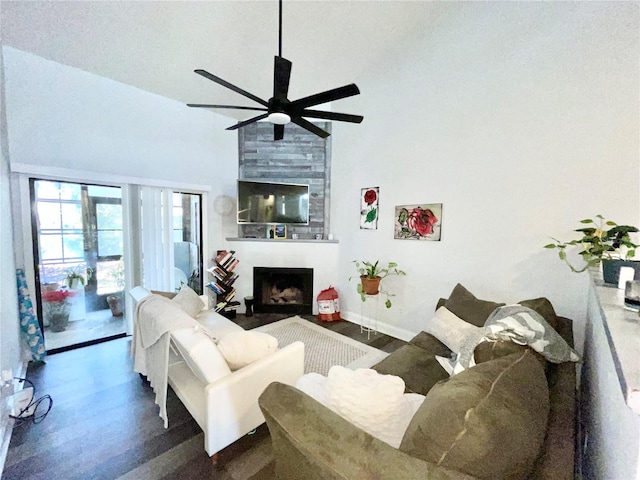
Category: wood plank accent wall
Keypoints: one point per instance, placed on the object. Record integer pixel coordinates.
(300, 157)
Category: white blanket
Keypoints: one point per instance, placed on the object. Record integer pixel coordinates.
(156, 316)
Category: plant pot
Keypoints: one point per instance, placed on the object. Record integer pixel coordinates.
(115, 304)
(370, 286)
(611, 269)
(58, 322)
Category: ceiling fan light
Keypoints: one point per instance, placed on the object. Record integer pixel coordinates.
(279, 118)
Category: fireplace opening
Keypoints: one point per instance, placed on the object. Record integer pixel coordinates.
(283, 290)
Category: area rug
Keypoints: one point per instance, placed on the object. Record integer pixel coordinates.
(323, 348)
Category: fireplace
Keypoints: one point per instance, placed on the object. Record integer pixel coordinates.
(283, 290)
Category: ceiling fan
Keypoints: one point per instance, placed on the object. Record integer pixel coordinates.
(279, 110)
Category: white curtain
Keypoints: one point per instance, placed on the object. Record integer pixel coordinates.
(156, 238)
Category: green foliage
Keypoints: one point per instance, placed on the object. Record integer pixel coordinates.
(373, 270)
(76, 273)
(598, 243)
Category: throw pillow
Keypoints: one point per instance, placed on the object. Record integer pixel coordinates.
(189, 301)
(492, 349)
(543, 307)
(465, 305)
(526, 327)
(243, 348)
(374, 402)
(488, 421)
(200, 353)
(450, 329)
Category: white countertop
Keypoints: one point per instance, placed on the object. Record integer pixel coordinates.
(622, 326)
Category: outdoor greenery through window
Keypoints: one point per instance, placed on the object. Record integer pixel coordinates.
(79, 227)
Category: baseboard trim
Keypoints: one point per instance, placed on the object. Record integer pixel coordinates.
(382, 327)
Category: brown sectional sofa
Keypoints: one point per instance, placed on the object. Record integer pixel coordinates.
(512, 416)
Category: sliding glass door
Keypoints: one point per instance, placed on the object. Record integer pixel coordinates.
(78, 251)
(79, 235)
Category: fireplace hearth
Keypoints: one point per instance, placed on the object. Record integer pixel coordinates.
(283, 290)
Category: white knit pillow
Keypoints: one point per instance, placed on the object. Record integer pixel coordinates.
(374, 402)
(243, 348)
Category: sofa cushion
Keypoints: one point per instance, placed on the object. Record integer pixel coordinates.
(200, 353)
(544, 308)
(189, 301)
(216, 324)
(465, 305)
(431, 344)
(488, 421)
(417, 367)
(243, 348)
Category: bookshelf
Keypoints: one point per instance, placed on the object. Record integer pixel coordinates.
(223, 278)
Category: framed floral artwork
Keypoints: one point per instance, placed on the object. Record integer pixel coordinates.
(369, 208)
(418, 222)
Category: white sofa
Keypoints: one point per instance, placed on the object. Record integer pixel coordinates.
(224, 403)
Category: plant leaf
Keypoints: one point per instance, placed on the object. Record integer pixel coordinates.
(550, 245)
(387, 303)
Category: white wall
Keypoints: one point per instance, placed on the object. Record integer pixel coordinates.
(522, 119)
(10, 347)
(64, 118)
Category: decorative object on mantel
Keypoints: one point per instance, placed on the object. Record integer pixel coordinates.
(279, 109)
(369, 208)
(418, 222)
(613, 247)
(370, 277)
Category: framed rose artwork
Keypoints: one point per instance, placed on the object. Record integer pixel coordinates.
(369, 208)
(418, 222)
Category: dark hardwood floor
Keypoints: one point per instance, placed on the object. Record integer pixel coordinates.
(104, 423)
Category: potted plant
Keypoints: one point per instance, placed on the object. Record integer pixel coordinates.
(56, 306)
(74, 276)
(371, 274)
(116, 300)
(612, 246)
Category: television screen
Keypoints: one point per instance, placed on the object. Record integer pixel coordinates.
(266, 202)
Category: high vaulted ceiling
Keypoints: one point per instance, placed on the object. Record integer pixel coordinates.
(156, 45)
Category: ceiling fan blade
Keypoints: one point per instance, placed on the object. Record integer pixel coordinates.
(224, 83)
(247, 122)
(278, 132)
(281, 76)
(328, 96)
(307, 125)
(340, 117)
(236, 107)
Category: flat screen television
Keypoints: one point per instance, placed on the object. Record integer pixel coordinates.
(268, 202)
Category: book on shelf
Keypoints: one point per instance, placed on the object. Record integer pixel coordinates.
(224, 256)
(216, 288)
(230, 295)
(229, 262)
(231, 306)
(233, 264)
(219, 306)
